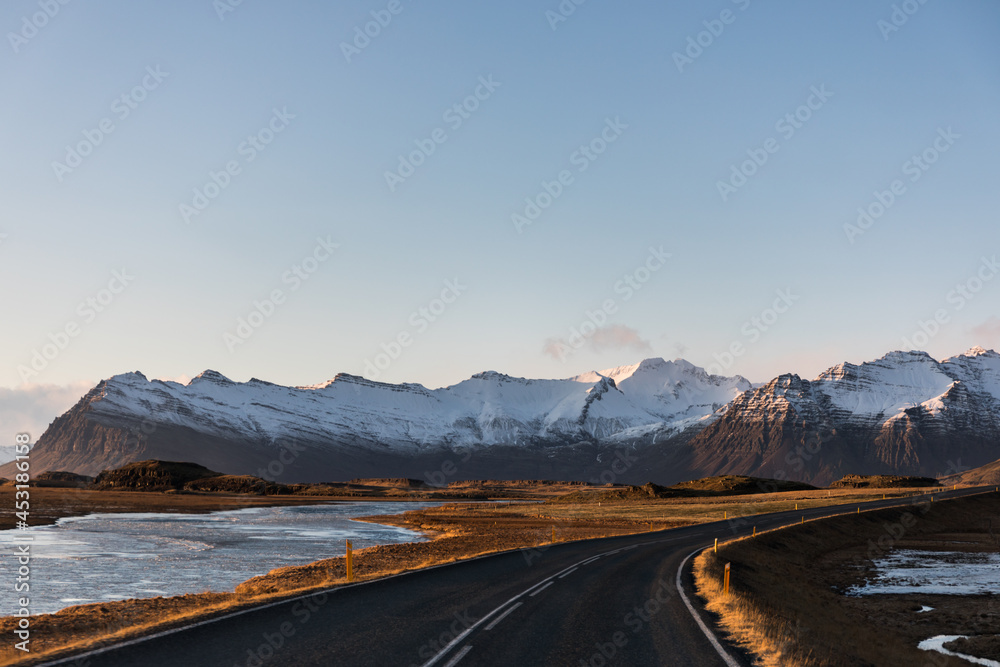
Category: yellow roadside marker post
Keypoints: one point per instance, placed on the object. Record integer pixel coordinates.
(350, 563)
(553, 534)
(755, 531)
(725, 581)
(717, 545)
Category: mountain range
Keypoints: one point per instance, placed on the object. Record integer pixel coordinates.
(664, 421)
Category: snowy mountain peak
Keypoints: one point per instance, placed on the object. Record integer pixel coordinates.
(651, 364)
(979, 352)
(784, 383)
(493, 375)
(907, 356)
(210, 376)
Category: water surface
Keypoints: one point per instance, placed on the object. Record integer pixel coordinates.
(103, 557)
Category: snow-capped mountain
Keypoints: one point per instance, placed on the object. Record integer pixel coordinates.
(656, 420)
(351, 426)
(904, 413)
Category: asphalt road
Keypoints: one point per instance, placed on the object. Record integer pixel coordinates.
(612, 601)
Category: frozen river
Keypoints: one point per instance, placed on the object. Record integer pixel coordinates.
(103, 557)
(910, 571)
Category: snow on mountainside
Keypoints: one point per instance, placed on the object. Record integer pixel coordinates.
(666, 421)
(487, 410)
(903, 413)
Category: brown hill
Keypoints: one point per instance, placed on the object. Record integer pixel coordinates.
(882, 482)
(153, 476)
(725, 485)
(987, 475)
(61, 478)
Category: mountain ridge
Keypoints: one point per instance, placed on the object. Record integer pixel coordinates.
(904, 413)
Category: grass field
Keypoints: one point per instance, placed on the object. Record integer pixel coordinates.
(787, 603)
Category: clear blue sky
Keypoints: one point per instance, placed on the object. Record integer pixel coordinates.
(887, 96)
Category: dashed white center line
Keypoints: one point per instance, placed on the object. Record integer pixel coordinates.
(590, 560)
(458, 656)
(569, 572)
(541, 589)
(502, 616)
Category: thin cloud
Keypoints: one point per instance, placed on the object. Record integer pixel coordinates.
(988, 333)
(31, 408)
(611, 337)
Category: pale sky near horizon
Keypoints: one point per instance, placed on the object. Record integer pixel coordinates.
(682, 189)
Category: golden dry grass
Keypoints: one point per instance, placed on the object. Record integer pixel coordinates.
(786, 604)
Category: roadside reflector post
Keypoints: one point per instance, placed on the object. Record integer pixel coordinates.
(350, 563)
(803, 520)
(725, 581)
(755, 531)
(717, 545)
(725, 515)
(553, 533)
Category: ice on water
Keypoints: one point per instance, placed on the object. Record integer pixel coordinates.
(934, 573)
(103, 557)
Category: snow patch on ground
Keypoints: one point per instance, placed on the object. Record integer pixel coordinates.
(937, 644)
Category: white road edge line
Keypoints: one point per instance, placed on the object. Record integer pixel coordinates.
(542, 588)
(461, 654)
(502, 616)
(729, 660)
